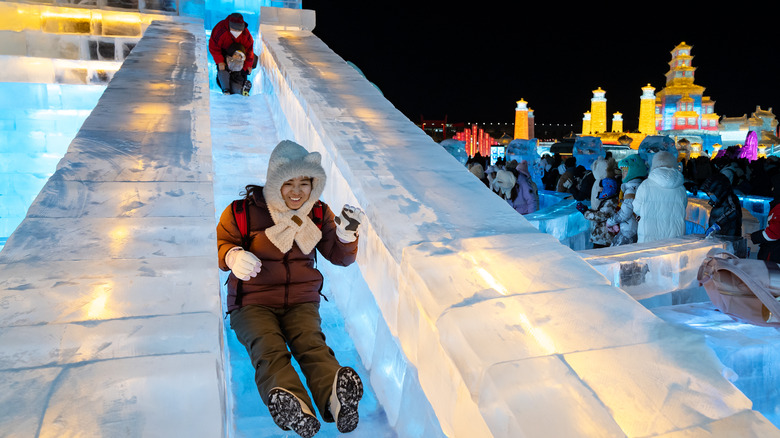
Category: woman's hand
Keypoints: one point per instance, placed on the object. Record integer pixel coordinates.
(348, 223)
(244, 264)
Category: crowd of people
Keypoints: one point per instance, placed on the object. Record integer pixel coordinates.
(511, 181)
(631, 201)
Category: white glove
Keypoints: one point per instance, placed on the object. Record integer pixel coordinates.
(244, 264)
(348, 222)
(567, 183)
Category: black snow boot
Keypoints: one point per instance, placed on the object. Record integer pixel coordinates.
(343, 404)
(289, 412)
(247, 86)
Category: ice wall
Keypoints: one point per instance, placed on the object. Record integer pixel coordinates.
(37, 123)
(509, 332)
(111, 321)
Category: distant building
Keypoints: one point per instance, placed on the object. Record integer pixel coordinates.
(647, 114)
(617, 122)
(521, 120)
(734, 130)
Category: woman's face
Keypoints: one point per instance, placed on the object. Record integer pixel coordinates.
(296, 191)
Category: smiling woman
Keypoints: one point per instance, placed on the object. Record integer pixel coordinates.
(274, 290)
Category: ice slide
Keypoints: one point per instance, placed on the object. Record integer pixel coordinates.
(111, 326)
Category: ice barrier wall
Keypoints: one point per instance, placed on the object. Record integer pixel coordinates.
(110, 323)
(508, 332)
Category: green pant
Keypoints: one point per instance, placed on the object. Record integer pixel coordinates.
(267, 332)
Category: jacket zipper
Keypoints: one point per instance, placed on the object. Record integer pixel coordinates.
(287, 283)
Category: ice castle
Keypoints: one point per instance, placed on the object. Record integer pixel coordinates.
(464, 322)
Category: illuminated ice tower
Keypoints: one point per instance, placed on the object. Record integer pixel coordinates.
(598, 111)
(617, 122)
(586, 123)
(521, 120)
(647, 114)
(681, 103)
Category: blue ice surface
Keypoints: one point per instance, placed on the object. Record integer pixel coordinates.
(37, 123)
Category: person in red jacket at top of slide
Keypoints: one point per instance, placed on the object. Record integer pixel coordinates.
(226, 33)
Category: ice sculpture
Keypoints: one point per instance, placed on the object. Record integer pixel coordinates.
(586, 149)
(750, 149)
(655, 143)
(456, 148)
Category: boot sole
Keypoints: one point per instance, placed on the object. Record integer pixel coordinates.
(287, 413)
(349, 391)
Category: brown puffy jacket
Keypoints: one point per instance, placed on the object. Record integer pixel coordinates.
(285, 278)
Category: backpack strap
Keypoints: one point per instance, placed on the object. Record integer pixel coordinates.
(317, 212)
(241, 215)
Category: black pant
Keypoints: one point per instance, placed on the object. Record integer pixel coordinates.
(233, 80)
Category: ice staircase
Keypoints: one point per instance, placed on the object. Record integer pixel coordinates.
(467, 325)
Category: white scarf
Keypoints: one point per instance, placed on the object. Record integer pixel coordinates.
(293, 226)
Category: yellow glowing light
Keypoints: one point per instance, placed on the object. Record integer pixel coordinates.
(96, 309)
(538, 334)
(153, 108)
(118, 239)
(73, 14)
(490, 280)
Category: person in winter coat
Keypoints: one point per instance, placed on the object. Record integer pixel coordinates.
(601, 168)
(634, 172)
(507, 187)
(584, 178)
(661, 200)
(525, 195)
(224, 34)
(274, 290)
(605, 208)
(567, 180)
(477, 170)
(234, 76)
(768, 239)
(726, 212)
(551, 174)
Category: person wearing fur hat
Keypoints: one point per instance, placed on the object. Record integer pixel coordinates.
(225, 33)
(600, 234)
(634, 172)
(661, 200)
(274, 290)
(504, 183)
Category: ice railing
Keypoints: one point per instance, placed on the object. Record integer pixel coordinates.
(508, 332)
(110, 321)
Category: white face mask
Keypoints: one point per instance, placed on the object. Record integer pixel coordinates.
(235, 33)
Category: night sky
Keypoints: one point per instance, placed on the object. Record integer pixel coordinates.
(433, 59)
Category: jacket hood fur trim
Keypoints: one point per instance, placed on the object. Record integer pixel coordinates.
(289, 160)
